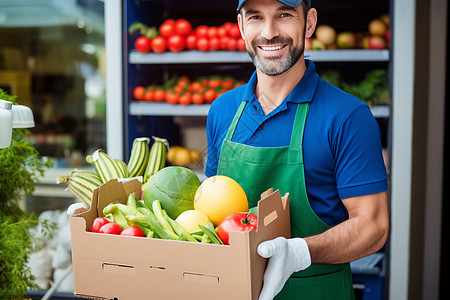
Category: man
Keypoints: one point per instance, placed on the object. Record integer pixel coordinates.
(290, 130)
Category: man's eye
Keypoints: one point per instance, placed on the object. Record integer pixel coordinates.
(284, 15)
(254, 18)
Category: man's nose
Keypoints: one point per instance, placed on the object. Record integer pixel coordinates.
(270, 30)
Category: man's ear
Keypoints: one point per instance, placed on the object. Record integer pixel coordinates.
(311, 22)
(239, 20)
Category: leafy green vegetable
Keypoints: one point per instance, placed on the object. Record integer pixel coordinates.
(374, 89)
(20, 167)
(16, 241)
(143, 29)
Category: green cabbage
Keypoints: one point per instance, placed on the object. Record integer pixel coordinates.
(174, 187)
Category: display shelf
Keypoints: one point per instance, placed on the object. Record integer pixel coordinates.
(190, 57)
(137, 108)
(381, 111)
(165, 109)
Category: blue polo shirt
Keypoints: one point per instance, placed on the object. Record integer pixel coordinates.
(341, 143)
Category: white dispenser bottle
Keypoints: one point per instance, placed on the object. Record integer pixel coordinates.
(5, 123)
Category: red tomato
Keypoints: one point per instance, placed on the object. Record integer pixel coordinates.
(236, 222)
(212, 32)
(198, 98)
(179, 88)
(241, 44)
(234, 31)
(202, 31)
(133, 231)
(228, 83)
(210, 95)
(167, 28)
(98, 223)
(214, 82)
(227, 27)
(143, 44)
(110, 228)
(176, 43)
(138, 93)
(159, 95)
(224, 42)
(186, 99)
(159, 44)
(191, 41)
(214, 44)
(203, 44)
(172, 97)
(222, 31)
(195, 86)
(183, 27)
(232, 44)
(149, 94)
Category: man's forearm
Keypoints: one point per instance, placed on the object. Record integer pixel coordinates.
(364, 233)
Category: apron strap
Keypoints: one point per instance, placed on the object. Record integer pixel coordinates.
(236, 118)
(299, 124)
(295, 149)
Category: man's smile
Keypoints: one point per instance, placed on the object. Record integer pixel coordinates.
(272, 48)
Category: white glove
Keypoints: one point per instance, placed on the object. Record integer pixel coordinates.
(73, 207)
(286, 256)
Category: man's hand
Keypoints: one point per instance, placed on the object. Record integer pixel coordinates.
(286, 256)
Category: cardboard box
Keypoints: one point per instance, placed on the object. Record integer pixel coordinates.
(118, 267)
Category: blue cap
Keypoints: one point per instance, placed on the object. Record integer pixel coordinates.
(292, 3)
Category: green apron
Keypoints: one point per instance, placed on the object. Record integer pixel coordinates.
(257, 169)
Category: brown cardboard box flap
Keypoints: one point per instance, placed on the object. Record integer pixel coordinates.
(110, 266)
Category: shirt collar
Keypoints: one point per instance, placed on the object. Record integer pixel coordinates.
(303, 92)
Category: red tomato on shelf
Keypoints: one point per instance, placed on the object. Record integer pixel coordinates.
(203, 44)
(176, 43)
(210, 95)
(234, 31)
(159, 44)
(236, 222)
(185, 99)
(198, 98)
(227, 27)
(149, 94)
(222, 31)
(138, 93)
(167, 28)
(172, 97)
(214, 44)
(191, 41)
(224, 42)
(232, 44)
(143, 44)
(159, 95)
(241, 44)
(212, 32)
(202, 31)
(183, 27)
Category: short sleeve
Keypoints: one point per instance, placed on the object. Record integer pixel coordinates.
(213, 152)
(360, 168)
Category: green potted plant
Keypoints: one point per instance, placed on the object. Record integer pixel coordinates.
(20, 167)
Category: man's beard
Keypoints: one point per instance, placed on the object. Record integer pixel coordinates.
(278, 65)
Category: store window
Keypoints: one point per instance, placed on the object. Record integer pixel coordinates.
(52, 56)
